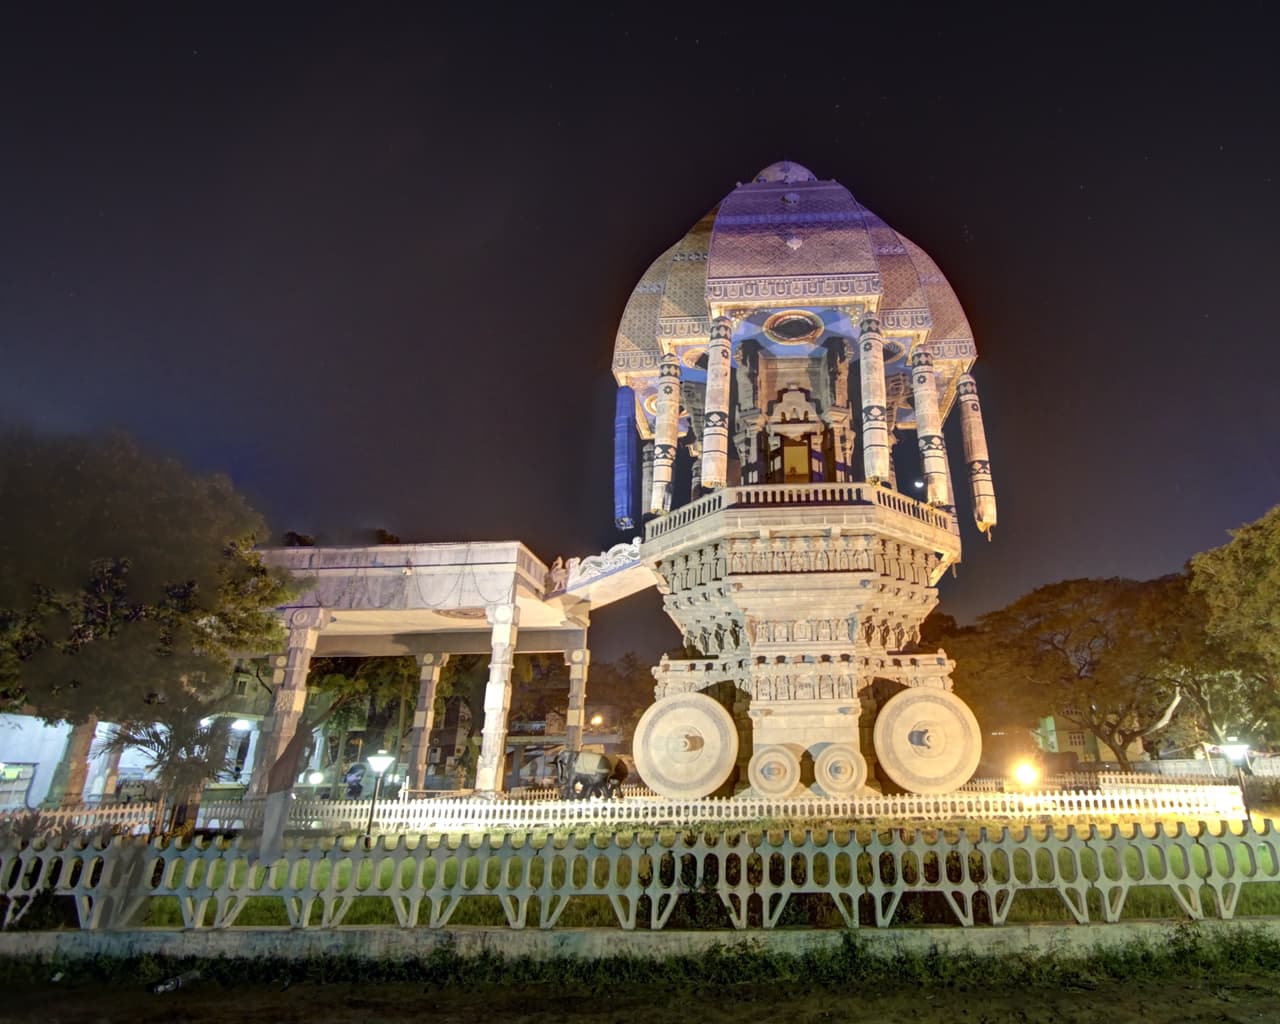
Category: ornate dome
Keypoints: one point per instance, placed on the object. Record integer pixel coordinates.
(787, 240)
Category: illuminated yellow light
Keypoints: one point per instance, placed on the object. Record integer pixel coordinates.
(1026, 773)
(597, 719)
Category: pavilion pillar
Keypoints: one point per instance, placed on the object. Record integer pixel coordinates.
(289, 697)
(505, 621)
(429, 669)
(715, 431)
(665, 432)
(975, 455)
(72, 773)
(578, 661)
(111, 775)
(875, 426)
(933, 448)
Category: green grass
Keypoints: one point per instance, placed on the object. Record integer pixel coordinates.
(1187, 952)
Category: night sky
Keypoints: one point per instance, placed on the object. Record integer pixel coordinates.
(371, 264)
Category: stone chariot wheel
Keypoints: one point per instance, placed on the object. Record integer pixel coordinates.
(774, 771)
(685, 746)
(840, 770)
(927, 740)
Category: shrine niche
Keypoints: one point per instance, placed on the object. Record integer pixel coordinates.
(771, 366)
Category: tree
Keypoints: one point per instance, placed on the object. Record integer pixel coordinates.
(1086, 651)
(1240, 585)
(184, 750)
(1228, 696)
(126, 582)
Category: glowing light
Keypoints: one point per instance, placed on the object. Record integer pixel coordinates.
(241, 725)
(380, 761)
(597, 719)
(1026, 774)
(315, 778)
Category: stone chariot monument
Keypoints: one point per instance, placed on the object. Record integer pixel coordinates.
(768, 364)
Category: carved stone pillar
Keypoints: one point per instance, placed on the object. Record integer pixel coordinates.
(578, 660)
(290, 696)
(505, 621)
(429, 668)
(819, 471)
(665, 432)
(875, 427)
(646, 477)
(715, 436)
(975, 454)
(933, 449)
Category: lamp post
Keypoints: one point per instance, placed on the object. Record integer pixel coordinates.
(379, 762)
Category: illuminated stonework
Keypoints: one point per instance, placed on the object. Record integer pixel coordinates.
(785, 342)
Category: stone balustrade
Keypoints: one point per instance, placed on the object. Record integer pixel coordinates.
(785, 495)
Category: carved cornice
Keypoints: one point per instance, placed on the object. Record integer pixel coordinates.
(792, 289)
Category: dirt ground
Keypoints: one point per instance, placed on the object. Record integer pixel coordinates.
(1183, 1001)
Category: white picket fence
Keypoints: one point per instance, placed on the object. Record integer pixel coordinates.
(1187, 803)
(129, 819)
(641, 877)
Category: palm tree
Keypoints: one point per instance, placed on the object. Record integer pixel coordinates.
(184, 750)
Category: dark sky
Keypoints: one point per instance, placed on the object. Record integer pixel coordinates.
(371, 263)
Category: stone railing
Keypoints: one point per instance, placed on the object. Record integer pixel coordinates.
(775, 495)
(640, 877)
(1209, 803)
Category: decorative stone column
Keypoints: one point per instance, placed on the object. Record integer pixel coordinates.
(715, 434)
(578, 660)
(646, 477)
(505, 620)
(429, 668)
(933, 449)
(819, 471)
(665, 432)
(875, 426)
(975, 454)
(696, 489)
(290, 695)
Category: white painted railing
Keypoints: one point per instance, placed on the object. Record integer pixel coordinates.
(131, 819)
(1209, 803)
(641, 876)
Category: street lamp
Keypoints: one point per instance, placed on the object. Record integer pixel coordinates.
(379, 762)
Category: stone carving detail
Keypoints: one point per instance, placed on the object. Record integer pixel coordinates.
(567, 575)
(792, 289)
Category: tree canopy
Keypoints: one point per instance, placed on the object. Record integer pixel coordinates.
(125, 580)
(1087, 651)
(1240, 585)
